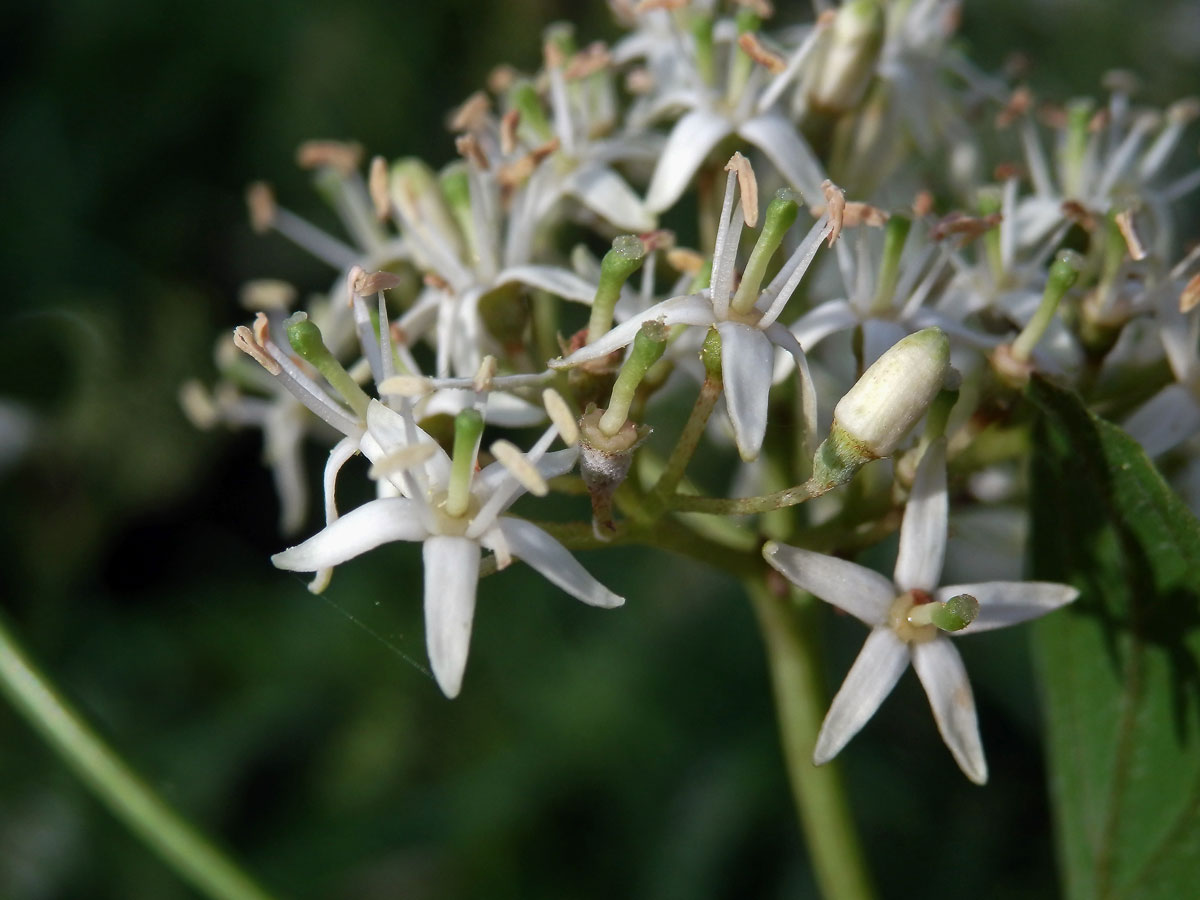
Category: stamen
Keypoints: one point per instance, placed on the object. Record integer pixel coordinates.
(922, 204)
(1125, 223)
(681, 259)
(1190, 296)
(483, 377)
(365, 283)
(243, 339)
(406, 386)
(562, 417)
(754, 48)
(266, 293)
(468, 148)
(471, 116)
(761, 8)
(198, 405)
(520, 468)
(747, 187)
(260, 201)
(379, 186)
(401, 460)
(262, 329)
(587, 62)
(501, 78)
(499, 546)
(835, 204)
(342, 156)
(969, 228)
(783, 285)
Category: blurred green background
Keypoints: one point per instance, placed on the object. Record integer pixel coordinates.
(592, 754)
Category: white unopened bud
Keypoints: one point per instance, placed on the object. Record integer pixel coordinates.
(841, 78)
(891, 397)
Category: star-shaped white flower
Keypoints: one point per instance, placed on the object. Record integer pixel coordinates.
(748, 338)
(452, 544)
(894, 641)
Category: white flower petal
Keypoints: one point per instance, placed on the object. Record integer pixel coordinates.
(552, 279)
(944, 678)
(1003, 603)
(690, 309)
(550, 465)
(781, 143)
(879, 335)
(365, 528)
(747, 359)
(451, 580)
(880, 663)
(817, 324)
(555, 563)
(1166, 420)
(923, 531)
(781, 337)
(389, 431)
(690, 141)
(609, 196)
(852, 588)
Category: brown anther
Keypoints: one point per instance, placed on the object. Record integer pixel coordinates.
(639, 81)
(681, 259)
(646, 6)
(659, 239)
(517, 172)
(835, 207)
(266, 293)
(761, 8)
(951, 19)
(1190, 297)
(1052, 115)
(922, 204)
(378, 186)
(468, 148)
(1128, 229)
(508, 131)
(471, 116)
(587, 62)
(541, 151)
(243, 339)
(858, 213)
(753, 48)
(920, 597)
(969, 228)
(262, 328)
(501, 78)
(434, 280)
(366, 283)
(1183, 111)
(1079, 214)
(747, 187)
(343, 156)
(1005, 171)
(399, 335)
(1017, 106)
(826, 18)
(1099, 120)
(260, 201)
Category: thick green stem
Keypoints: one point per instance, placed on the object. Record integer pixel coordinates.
(178, 843)
(745, 506)
(818, 791)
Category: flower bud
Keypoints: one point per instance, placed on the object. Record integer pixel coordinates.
(848, 65)
(894, 392)
(883, 406)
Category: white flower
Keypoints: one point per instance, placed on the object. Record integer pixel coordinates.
(748, 338)
(894, 641)
(452, 544)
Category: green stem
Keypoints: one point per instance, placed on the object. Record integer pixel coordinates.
(819, 793)
(689, 439)
(745, 506)
(130, 799)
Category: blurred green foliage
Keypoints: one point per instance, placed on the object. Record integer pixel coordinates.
(592, 754)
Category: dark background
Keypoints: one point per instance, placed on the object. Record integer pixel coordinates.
(592, 753)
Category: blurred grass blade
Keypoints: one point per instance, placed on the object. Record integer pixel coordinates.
(179, 844)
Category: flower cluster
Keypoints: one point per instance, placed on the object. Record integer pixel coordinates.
(929, 278)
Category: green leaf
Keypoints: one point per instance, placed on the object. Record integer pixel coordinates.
(1119, 667)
